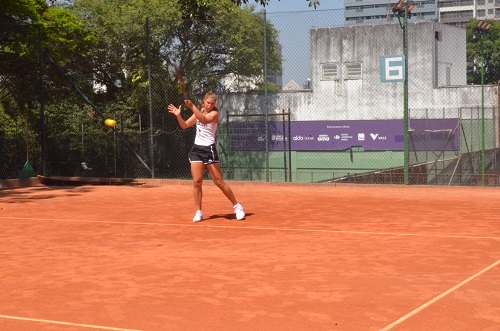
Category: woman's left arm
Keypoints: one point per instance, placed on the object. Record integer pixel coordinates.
(213, 116)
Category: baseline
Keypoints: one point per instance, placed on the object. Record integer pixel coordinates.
(261, 228)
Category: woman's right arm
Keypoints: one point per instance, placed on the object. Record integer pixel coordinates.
(184, 124)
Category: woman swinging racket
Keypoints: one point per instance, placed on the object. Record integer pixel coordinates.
(204, 153)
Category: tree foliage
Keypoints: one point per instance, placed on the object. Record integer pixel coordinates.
(101, 49)
(25, 29)
(485, 44)
(18, 65)
(203, 41)
(212, 47)
(104, 41)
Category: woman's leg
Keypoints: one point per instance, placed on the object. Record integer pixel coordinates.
(216, 174)
(197, 171)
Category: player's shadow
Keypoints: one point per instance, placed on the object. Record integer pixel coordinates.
(226, 216)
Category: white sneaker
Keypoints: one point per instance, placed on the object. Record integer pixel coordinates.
(238, 210)
(198, 217)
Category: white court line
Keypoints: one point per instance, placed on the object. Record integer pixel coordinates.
(64, 323)
(260, 228)
(439, 297)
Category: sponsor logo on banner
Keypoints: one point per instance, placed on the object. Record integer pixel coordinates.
(278, 137)
(337, 126)
(345, 137)
(372, 135)
(376, 136)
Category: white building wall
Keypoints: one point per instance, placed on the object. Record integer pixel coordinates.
(451, 53)
(368, 97)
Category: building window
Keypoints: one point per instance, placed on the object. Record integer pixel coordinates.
(457, 14)
(456, 3)
(481, 13)
(353, 70)
(330, 71)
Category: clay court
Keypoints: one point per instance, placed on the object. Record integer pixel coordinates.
(307, 257)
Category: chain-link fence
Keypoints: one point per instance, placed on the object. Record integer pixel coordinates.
(387, 103)
(348, 121)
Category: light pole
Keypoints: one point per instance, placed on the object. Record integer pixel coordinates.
(403, 10)
(482, 28)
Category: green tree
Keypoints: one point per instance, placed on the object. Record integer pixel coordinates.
(18, 50)
(207, 43)
(487, 44)
(103, 43)
(25, 29)
(119, 60)
(203, 40)
(30, 30)
(211, 47)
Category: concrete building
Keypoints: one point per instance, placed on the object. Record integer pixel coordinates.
(459, 12)
(380, 12)
(345, 65)
(346, 84)
(453, 12)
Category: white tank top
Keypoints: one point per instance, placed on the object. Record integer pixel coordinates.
(205, 133)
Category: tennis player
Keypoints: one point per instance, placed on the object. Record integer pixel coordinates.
(204, 153)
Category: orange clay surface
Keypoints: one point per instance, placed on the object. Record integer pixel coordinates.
(307, 257)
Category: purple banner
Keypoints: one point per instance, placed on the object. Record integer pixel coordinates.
(371, 135)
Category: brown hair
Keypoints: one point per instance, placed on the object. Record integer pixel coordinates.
(211, 95)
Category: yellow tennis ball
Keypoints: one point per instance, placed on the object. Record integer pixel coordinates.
(110, 122)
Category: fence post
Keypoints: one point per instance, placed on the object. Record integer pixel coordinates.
(266, 96)
(42, 107)
(151, 142)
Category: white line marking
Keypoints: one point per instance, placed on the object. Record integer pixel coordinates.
(439, 297)
(260, 228)
(356, 232)
(64, 323)
(390, 326)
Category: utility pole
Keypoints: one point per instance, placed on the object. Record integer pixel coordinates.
(482, 28)
(403, 10)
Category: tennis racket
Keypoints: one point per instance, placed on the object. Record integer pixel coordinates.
(178, 73)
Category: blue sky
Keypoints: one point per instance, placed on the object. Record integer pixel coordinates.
(300, 5)
(294, 19)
